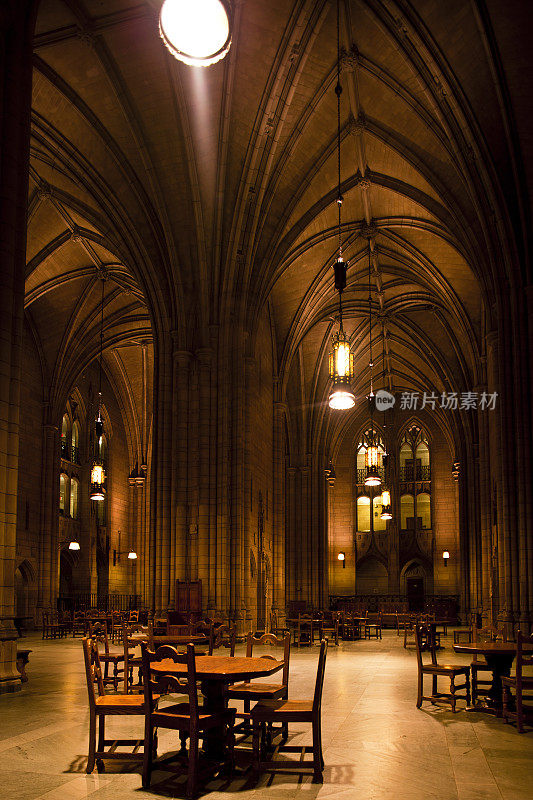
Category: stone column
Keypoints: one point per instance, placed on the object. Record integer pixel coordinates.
(17, 21)
(204, 485)
(179, 495)
(278, 566)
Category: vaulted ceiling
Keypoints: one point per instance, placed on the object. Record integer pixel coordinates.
(195, 190)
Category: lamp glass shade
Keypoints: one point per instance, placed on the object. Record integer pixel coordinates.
(132, 555)
(97, 475)
(196, 33)
(74, 546)
(385, 497)
(342, 399)
(372, 456)
(445, 555)
(373, 478)
(341, 556)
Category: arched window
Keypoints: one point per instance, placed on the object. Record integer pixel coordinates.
(423, 509)
(415, 477)
(65, 430)
(363, 513)
(63, 493)
(407, 511)
(75, 455)
(74, 490)
(379, 524)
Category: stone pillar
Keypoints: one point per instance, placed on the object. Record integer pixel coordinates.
(17, 20)
(180, 468)
(204, 485)
(278, 566)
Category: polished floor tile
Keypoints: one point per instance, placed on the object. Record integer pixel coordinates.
(377, 744)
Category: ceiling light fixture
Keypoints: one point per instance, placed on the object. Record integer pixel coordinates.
(197, 32)
(373, 477)
(97, 491)
(341, 360)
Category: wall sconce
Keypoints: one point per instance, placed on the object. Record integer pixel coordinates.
(132, 555)
(342, 557)
(445, 557)
(72, 544)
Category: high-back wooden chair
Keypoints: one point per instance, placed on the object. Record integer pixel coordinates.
(303, 632)
(252, 691)
(98, 633)
(329, 628)
(269, 712)
(101, 706)
(187, 718)
(131, 660)
(480, 686)
(373, 625)
(522, 685)
(425, 643)
(275, 625)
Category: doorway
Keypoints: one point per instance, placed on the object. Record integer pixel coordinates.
(415, 594)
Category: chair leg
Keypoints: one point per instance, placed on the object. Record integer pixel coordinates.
(149, 737)
(505, 700)
(468, 694)
(193, 765)
(92, 743)
(420, 689)
(452, 692)
(434, 685)
(519, 712)
(101, 742)
(317, 750)
(256, 745)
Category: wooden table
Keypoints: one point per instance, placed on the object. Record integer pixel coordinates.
(499, 657)
(215, 673)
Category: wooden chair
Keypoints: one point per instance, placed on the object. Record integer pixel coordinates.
(303, 632)
(268, 712)
(329, 629)
(480, 687)
(251, 692)
(131, 661)
(222, 636)
(523, 686)
(102, 706)
(275, 626)
(187, 718)
(79, 624)
(98, 633)
(425, 642)
(373, 626)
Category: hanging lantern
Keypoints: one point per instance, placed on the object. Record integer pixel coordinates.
(373, 478)
(132, 555)
(97, 482)
(341, 371)
(385, 505)
(197, 33)
(74, 545)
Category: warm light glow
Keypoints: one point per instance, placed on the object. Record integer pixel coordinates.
(372, 478)
(196, 32)
(342, 359)
(372, 456)
(385, 497)
(341, 556)
(97, 475)
(445, 555)
(74, 546)
(97, 494)
(132, 555)
(342, 399)
(385, 505)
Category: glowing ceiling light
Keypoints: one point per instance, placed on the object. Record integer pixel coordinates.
(197, 32)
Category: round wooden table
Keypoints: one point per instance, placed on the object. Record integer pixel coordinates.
(215, 673)
(173, 640)
(499, 657)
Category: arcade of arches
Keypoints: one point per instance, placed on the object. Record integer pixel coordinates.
(196, 209)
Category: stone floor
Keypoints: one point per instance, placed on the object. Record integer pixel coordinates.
(377, 744)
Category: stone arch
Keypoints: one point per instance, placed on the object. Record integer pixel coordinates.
(372, 575)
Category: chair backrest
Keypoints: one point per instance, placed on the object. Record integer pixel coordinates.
(523, 658)
(269, 639)
(222, 635)
(161, 683)
(133, 616)
(425, 643)
(93, 670)
(98, 633)
(319, 684)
